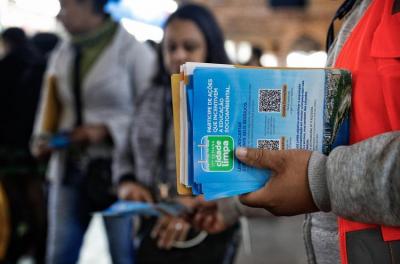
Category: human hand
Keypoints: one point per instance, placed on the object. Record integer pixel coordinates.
(207, 217)
(41, 149)
(133, 191)
(168, 230)
(92, 134)
(287, 192)
(189, 202)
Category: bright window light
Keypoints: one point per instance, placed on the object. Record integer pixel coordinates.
(150, 11)
(303, 59)
(243, 51)
(32, 16)
(40, 7)
(230, 48)
(151, 8)
(143, 31)
(269, 60)
(142, 18)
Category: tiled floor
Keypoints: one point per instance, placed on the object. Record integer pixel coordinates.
(273, 240)
(95, 248)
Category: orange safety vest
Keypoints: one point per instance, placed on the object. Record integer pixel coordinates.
(372, 54)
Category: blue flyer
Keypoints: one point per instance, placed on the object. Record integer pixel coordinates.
(269, 108)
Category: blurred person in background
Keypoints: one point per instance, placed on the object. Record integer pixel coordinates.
(255, 58)
(191, 34)
(352, 196)
(21, 73)
(92, 80)
(45, 43)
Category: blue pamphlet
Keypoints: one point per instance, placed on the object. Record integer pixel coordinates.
(122, 208)
(60, 140)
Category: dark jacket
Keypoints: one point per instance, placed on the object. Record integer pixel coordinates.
(21, 73)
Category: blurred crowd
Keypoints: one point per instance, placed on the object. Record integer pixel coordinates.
(84, 106)
(22, 65)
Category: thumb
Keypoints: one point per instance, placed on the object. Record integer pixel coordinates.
(260, 158)
(146, 197)
(253, 199)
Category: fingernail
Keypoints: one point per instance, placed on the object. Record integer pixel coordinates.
(241, 152)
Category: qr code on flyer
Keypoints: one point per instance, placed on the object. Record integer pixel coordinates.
(270, 144)
(269, 100)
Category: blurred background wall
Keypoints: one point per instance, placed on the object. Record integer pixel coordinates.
(277, 27)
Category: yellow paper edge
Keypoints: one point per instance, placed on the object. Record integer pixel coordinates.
(4, 223)
(175, 78)
(52, 107)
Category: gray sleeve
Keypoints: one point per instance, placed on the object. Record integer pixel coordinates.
(360, 182)
(146, 135)
(232, 209)
(123, 160)
(141, 65)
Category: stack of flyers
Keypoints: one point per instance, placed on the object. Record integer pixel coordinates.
(218, 108)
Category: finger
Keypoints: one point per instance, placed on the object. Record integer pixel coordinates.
(200, 198)
(79, 136)
(260, 158)
(124, 192)
(97, 133)
(219, 224)
(185, 230)
(123, 195)
(169, 235)
(159, 226)
(146, 196)
(255, 199)
(188, 202)
(198, 220)
(135, 195)
(206, 210)
(207, 206)
(195, 219)
(42, 151)
(209, 222)
(139, 195)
